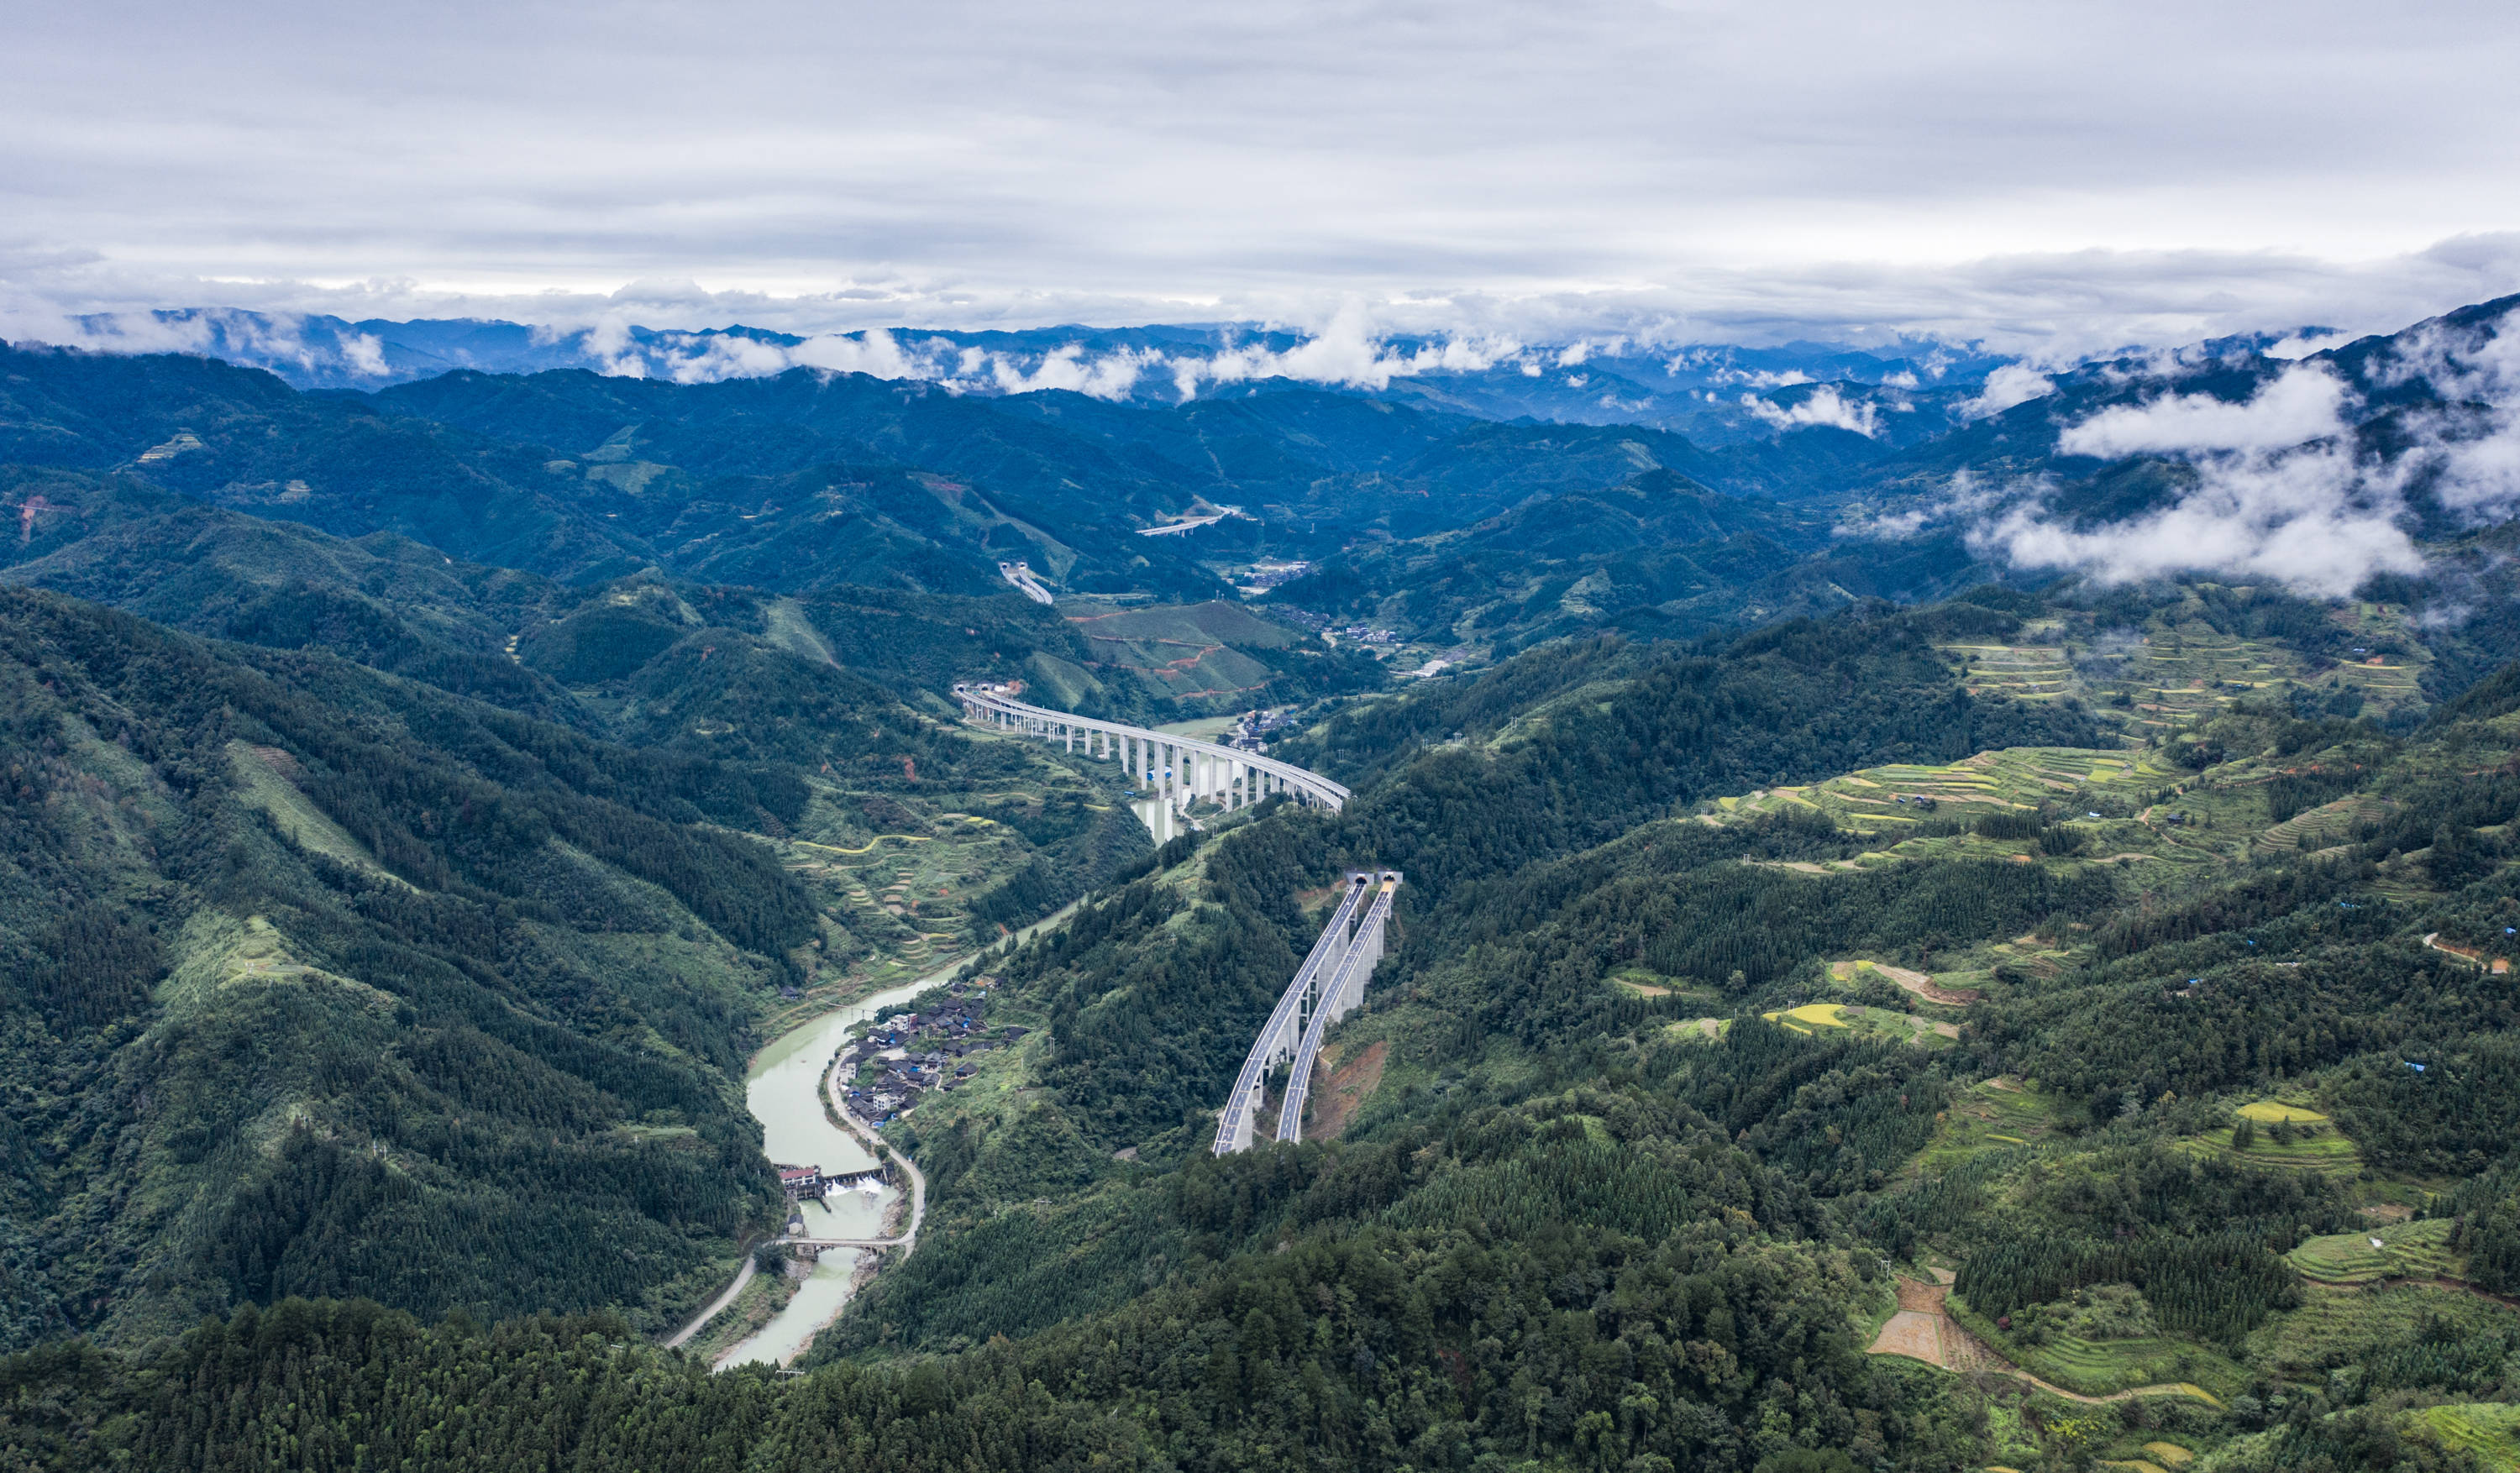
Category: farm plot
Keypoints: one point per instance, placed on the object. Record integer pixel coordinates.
(2341, 1326)
(2489, 1429)
(1992, 1115)
(1920, 983)
(2401, 1250)
(1866, 1022)
(2313, 1142)
(1893, 800)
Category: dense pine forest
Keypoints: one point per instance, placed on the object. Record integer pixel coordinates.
(2016, 1027)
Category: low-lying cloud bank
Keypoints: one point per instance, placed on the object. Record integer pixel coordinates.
(2295, 484)
(1347, 352)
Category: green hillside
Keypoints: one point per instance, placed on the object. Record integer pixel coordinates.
(322, 982)
(1843, 1011)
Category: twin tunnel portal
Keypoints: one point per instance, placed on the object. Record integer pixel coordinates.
(1179, 771)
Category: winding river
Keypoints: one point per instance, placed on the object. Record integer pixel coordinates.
(783, 1089)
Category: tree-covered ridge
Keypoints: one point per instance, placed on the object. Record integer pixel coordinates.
(2098, 975)
(318, 986)
(1642, 1169)
(1668, 725)
(322, 982)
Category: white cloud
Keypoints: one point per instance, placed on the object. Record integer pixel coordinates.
(364, 353)
(2303, 344)
(2281, 489)
(720, 357)
(1963, 497)
(2472, 447)
(2312, 519)
(1347, 351)
(610, 342)
(1823, 407)
(1111, 376)
(2302, 403)
(875, 353)
(2012, 385)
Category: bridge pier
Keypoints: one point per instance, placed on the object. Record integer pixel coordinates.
(1174, 772)
(1329, 986)
(1339, 992)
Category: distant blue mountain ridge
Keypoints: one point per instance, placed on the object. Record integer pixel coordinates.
(1716, 394)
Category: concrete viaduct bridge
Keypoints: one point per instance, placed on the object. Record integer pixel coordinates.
(1176, 769)
(1180, 772)
(1326, 988)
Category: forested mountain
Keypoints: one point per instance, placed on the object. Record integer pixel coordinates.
(328, 982)
(276, 929)
(1853, 1004)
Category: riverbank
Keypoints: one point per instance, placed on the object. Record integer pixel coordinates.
(789, 1089)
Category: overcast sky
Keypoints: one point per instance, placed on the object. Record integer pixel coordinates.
(2074, 175)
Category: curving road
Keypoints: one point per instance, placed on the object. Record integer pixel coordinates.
(717, 1306)
(875, 1147)
(1281, 1036)
(1336, 993)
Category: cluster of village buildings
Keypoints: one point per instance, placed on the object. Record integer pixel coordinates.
(917, 1052)
(1363, 633)
(1252, 730)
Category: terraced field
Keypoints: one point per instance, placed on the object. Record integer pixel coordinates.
(1869, 1022)
(2406, 1250)
(2026, 672)
(2095, 1367)
(1891, 800)
(2173, 671)
(2316, 1145)
(2100, 1367)
(2325, 827)
(1186, 653)
(2489, 1429)
(1992, 1115)
(2340, 1326)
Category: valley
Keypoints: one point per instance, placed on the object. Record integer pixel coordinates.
(1821, 994)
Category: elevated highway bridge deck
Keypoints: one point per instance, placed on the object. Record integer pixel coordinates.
(1182, 770)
